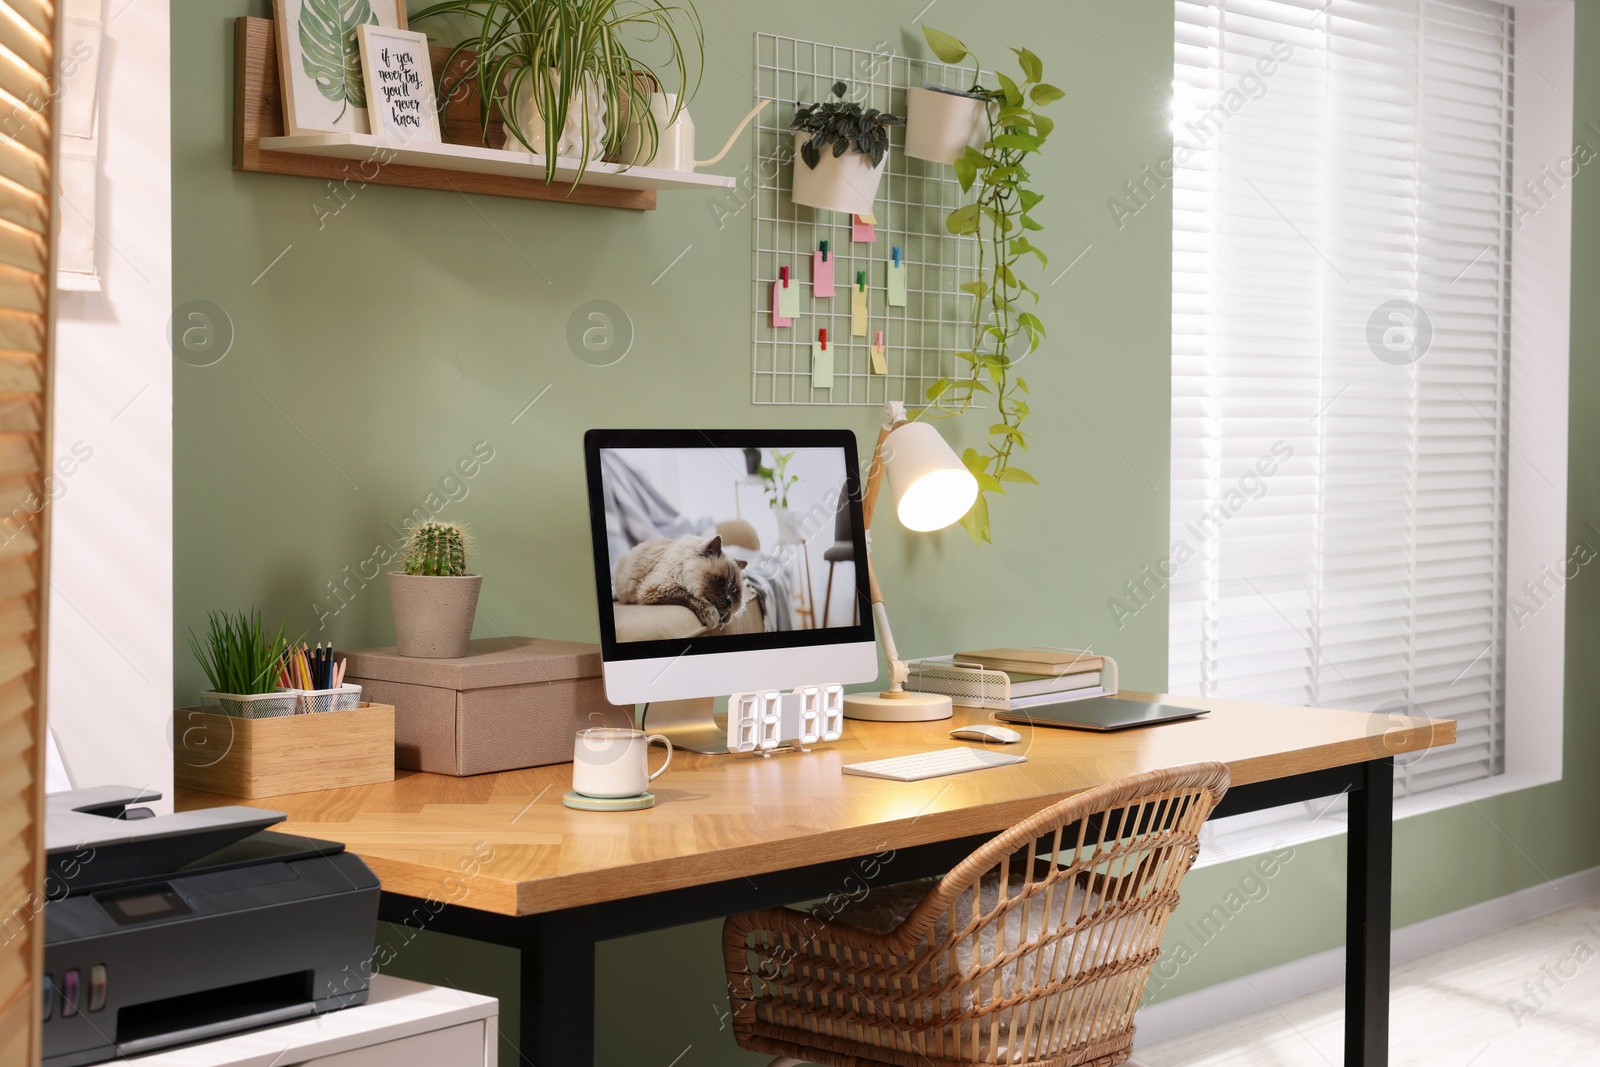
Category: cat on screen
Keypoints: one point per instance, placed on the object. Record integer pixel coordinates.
(690, 571)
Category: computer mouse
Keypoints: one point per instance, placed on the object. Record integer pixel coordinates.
(997, 735)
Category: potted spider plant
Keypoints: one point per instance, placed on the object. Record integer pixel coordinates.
(433, 601)
(559, 75)
(242, 663)
(840, 151)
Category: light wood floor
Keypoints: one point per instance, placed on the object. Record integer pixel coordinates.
(1453, 1009)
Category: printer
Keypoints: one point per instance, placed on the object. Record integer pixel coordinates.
(162, 930)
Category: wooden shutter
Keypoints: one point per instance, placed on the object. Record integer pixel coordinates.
(27, 159)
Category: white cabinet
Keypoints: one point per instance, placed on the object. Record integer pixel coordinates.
(403, 1024)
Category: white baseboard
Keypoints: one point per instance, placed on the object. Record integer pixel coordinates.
(1229, 1000)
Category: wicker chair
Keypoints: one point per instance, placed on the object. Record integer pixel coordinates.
(1033, 951)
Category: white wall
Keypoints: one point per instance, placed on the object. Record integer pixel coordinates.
(110, 641)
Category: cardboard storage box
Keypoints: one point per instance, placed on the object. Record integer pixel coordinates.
(254, 758)
(510, 702)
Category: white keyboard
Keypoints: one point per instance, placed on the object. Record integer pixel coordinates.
(915, 768)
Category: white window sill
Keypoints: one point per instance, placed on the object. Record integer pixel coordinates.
(1243, 836)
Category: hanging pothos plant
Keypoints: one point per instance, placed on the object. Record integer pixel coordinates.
(1000, 219)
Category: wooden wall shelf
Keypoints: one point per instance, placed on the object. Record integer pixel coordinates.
(463, 163)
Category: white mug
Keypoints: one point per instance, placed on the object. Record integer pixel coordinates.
(610, 762)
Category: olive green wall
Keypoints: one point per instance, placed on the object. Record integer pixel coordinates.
(401, 327)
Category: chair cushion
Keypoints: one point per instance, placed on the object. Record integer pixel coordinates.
(884, 908)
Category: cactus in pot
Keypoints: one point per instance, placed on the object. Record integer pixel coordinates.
(433, 600)
(437, 549)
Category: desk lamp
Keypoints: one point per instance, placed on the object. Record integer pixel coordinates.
(932, 489)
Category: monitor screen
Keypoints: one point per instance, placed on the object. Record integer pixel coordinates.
(726, 541)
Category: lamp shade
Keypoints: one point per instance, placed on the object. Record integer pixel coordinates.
(932, 488)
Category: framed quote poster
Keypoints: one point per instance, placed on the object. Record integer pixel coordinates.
(319, 61)
(399, 80)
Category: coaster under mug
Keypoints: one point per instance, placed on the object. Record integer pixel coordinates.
(575, 799)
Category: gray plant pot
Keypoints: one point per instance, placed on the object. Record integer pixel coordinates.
(433, 615)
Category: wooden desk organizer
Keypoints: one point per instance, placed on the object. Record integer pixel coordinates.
(254, 758)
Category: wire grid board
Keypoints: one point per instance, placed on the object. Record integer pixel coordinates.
(920, 339)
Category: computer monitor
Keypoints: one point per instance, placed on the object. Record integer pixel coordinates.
(726, 561)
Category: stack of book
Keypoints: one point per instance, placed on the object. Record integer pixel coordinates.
(1041, 676)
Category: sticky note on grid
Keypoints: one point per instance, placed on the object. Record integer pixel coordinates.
(821, 277)
(879, 364)
(858, 311)
(789, 298)
(821, 365)
(778, 319)
(897, 283)
(864, 229)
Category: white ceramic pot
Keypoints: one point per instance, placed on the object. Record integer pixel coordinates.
(674, 147)
(940, 125)
(847, 183)
(789, 532)
(582, 108)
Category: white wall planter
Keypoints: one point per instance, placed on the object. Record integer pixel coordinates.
(940, 125)
(847, 183)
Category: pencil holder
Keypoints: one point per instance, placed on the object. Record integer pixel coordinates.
(256, 706)
(317, 701)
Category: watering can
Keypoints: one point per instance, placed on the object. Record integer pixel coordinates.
(675, 140)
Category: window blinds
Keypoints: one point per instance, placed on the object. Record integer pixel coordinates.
(27, 35)
(1341, 251)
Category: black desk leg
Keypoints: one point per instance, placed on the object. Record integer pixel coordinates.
(558, 989)
(1370, 866)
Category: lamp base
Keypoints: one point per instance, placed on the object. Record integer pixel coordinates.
(898, 707)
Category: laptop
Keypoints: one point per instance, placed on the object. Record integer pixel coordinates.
(1099, 713)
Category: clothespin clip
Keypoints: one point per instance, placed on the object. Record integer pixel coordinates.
(822, 336)
(824, 251)
(896, 252)
(861, 280)
(783, 276)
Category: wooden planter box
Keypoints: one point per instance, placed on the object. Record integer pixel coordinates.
(253, 758)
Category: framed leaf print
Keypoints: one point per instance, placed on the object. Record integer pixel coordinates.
(319, 61)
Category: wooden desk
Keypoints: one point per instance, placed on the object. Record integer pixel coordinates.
(498, 858)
